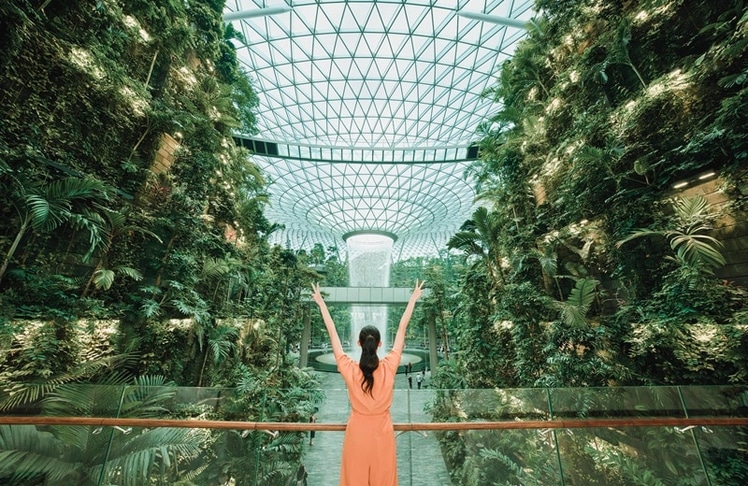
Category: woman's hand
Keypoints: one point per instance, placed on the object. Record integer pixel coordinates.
(417, 291)
(317, 295)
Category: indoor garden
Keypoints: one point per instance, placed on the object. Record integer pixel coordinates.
(604, 260)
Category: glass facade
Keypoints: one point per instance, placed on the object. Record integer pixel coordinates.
(374, 108)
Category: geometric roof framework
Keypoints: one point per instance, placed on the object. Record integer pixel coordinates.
(373, 107)
(422, 204)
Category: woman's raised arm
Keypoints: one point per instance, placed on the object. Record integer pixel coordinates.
(405, 319)
(337, 347)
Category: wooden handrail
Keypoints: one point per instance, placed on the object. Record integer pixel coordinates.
(338, 427)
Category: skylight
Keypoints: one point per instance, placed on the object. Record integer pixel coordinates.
(374, 107)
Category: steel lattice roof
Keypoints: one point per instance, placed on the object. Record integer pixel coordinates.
(373, 106)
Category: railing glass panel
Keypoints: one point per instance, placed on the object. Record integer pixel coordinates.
(459, 437)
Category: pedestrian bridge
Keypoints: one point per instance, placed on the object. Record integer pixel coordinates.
(365, 296)
(368, 295)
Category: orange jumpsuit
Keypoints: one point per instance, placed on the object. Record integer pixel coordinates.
(369, 457)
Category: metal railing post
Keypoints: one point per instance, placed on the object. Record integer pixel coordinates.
(693, 436)
(555, 438)
(111, 437)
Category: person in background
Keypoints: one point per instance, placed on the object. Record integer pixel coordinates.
(301, 476)
(312, 420)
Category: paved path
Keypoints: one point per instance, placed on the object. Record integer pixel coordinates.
(419, 460)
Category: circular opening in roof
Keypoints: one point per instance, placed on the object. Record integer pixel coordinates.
(369, 237)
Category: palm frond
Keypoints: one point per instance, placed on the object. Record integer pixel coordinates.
(549, 263)
(222, 342)
(691, 210)
(136, 457)
(215, 268)
(129, 272)
(45, 215)
(146, 398)
(27, 453)
(583, 293)
(638, 233)
(467, 242)
(574, 309)
(698, 250)
(103, 278)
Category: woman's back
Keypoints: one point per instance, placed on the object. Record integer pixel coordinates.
(369, 449)
(380, 399)
(369, 454)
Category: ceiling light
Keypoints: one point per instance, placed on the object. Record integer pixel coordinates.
(707, 175)
(678, 185)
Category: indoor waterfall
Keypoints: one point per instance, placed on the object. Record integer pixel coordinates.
(369, 258)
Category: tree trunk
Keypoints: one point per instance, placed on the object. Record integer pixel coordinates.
(444, 335)
(99, 264)
(166, 256)
(202, 368)
(434, 361)
(14, 246)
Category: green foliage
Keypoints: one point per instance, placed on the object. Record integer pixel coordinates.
(574, 309)
(479, 237)
(43, 207)
(692, 247)
(88, 95)
(603, 107)
(85, 455)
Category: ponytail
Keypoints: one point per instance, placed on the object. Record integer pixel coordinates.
(369, 338)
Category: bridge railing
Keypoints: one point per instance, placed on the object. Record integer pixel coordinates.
(85, 434)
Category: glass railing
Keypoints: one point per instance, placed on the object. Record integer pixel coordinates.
(127, 435)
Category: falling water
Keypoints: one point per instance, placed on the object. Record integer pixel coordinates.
(368, 266)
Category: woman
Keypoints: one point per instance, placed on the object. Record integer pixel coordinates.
(369, 456)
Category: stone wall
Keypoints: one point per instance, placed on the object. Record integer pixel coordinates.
(165, 154)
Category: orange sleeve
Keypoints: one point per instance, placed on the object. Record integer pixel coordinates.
(392, 360)
(346, 367)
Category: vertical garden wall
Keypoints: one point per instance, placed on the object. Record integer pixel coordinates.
(132, 239)
(613, 170)
(611, 250)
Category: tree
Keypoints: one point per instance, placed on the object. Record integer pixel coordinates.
(480, 236)
(114, 225)
(45, 207)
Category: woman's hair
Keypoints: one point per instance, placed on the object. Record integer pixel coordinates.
(369, 338)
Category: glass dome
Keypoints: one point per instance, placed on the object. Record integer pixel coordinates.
(368, 111)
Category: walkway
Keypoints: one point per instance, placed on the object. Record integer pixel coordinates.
(419, 460)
